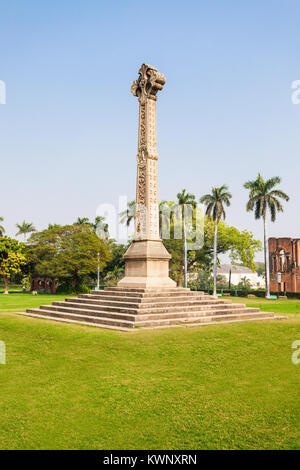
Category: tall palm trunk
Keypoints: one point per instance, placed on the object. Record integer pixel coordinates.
(185, 253)
(267, 264)
(215, 257)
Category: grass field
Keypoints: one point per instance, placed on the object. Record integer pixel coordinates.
(279, 307)
(18, 302)
(76, 387)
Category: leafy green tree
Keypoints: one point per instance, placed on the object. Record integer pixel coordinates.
(185, 199)
(116, 260)
(215, 209)
(205, 280)
(25, 228)
(241, 247)
(115, 268)
(2, 229)
(12, 258)
(222, 282)
(264, 196)
(67, 252)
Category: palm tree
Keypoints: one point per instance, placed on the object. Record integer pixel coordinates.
(166, 212)
(244, 283)
(100, 227)
(183, 199)
(215, 209)
(2, 229)
(82, 221)
(165, 207)
(129, 214)
(25, 228)
(263, 196)
(98, 220)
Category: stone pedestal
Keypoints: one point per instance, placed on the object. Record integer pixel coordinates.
(147, 265)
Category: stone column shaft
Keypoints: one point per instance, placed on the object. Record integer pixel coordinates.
(147, 210)
(147, 260)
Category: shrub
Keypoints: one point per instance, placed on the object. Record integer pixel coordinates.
(83, 289)
(67, 288)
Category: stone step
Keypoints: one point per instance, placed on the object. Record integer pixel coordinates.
(95, 307)
(138, 300)
(127, 326)
(145, 310)
(127, 298)
(146, 294)
(204, 319)
(132, 313)
(83, 311)
(139, 318)
(193, 315)
(65, 320)
(147, 304)
(216, 322)
(115, 295)
(188, 308)
(150, 290)
(84, 317)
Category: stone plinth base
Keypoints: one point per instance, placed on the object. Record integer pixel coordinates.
(125, 309)
(147, 265)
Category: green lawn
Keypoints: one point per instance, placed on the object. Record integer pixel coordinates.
(75, 387)
(279, 307)
(16, 302)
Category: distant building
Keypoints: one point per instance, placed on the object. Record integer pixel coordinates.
(284, 256)
(43, 285)
(236, 273)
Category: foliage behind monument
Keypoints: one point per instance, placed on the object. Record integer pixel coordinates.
(241, 246)
(68, 253)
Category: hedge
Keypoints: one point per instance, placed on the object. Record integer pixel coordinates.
(257, 293)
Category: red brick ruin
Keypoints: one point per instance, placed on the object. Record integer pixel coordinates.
(284, 259)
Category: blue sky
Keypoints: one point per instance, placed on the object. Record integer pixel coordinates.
(69, 127)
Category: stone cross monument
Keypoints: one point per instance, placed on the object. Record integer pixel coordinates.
(147, 260)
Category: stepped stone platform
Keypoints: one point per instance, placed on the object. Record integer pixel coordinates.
(128, 308)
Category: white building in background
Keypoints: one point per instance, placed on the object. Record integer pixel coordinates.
(239, 272)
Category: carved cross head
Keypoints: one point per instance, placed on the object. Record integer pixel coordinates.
(150, 81)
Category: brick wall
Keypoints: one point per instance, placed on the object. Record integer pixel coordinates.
(284, 256)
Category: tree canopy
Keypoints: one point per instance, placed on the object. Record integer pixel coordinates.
(241, 246)
(24, 228)
(215, 202)
(67, 252)
(263, 196)
(12, 258)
